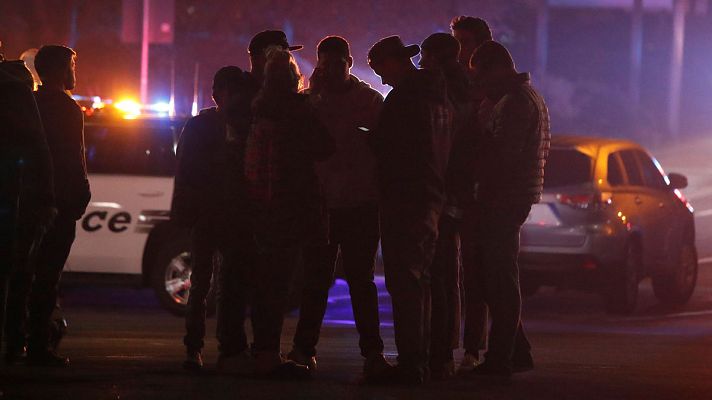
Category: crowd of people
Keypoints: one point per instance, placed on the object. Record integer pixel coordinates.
(442, 172)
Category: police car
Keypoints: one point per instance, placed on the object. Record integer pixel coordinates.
(126, 231)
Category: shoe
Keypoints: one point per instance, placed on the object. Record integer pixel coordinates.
(375, 365)
(399, 375)
(47, 359)
(241, 364)
(287, 371)
(522, 363)
(193, 361)
(299, 357)
(57, 330)
(468, 363)
(16, 356)
(492, 369)
(442, 371)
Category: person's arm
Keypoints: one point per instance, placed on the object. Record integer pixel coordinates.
(184, 207)
(319, 143)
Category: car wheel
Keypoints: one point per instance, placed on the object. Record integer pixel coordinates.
(676, 287)
(622, 288)
(170, 277)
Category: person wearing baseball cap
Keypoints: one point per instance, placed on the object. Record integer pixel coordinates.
(411, 144)
(259, 43)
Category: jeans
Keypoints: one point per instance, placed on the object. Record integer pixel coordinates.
(234, 288)
(273, 279)
(409, 233)
(35, 288)
(494, 280)
(204, 250)
(354, 232)
(445, 289)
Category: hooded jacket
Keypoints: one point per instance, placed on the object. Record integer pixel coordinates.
(514, 144)
(349, 175)
(412, 142)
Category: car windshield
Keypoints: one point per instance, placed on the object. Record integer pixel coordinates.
(567, 167)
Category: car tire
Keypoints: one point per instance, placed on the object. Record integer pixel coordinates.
(173, 263)
(621, 295)
(676, 287)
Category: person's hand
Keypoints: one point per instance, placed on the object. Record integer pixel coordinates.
(316, 81)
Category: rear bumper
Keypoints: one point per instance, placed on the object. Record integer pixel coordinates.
(581, 266)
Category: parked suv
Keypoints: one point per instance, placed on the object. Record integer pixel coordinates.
(610, 217)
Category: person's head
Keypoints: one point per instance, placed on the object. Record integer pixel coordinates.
(260, 43)
(471, 32)
(334, 62)
(439, 50)
(491, 64)
(391, 59)
(281, 72)
(56, 65)
(231, 88)
(18, 71)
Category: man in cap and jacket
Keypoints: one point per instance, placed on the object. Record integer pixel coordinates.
(412, 145)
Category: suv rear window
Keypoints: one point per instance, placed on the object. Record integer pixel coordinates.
(130, 150)
(567, 167)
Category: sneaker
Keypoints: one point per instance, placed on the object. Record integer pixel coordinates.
(193, 361)
(522, 363)
(299, 357)
(241, 364)
(375, 365)
(442, 371)
(287, 371)
(492, 369)
(468, 363)
(47, 359)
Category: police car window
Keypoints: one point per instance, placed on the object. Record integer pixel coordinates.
(635, 178)
(652, 173)
(567, 167)
(129, 150)
(615, 175)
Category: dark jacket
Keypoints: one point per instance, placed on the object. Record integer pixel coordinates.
(63, 123)
(412, 142)
(200, 174)
(25, 161)
(285, 142)
(514, 145)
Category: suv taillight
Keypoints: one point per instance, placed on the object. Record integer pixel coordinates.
(586, 201)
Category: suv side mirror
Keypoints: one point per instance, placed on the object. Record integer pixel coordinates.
(677, 181)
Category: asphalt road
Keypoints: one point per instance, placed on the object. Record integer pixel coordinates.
(123, 345)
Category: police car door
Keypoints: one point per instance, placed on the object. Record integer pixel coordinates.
(131, 165)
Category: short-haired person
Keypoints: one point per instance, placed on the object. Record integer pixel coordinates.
(471, 32)
(349, 109)
(201, 204)
(63, 122)
(511, 156)
(285, 142)
(439, 54)
(411, 143)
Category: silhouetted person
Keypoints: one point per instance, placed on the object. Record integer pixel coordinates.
(63, 122)
(439, 54)
(348, 108)
(201, 203)
(511, 156)
(232, 301)
(26, 185)
(411, 144)
(471, 32)
(284, 144)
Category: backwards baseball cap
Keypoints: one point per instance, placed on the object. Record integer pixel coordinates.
(265, 39)
(391, 46)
